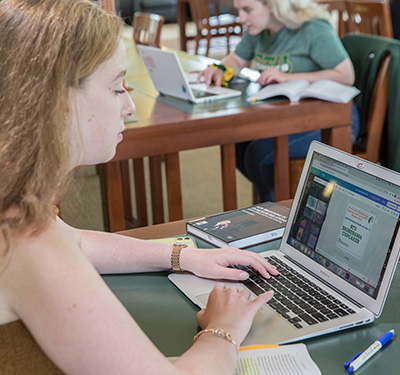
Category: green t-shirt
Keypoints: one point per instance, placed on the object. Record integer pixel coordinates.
(312, 47)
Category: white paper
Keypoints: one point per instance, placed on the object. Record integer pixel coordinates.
(283, 360)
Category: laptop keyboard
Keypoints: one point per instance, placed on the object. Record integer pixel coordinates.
(296, 298)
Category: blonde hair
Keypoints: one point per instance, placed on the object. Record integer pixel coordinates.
(47, 47)
(294, 13)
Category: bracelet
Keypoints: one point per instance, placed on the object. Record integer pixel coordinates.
(175, 257)
(219, 332)
(228, 73)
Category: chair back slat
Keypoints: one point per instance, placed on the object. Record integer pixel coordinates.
(108, 5)
(147, 28)
(199, 10)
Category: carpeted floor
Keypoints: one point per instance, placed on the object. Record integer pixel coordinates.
(200, 173)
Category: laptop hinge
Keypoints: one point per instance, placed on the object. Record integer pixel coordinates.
(344, 295)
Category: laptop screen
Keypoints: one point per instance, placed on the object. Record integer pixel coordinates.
(346, 221)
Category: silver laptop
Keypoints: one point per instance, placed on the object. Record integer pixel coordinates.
(168, 77)
(337, 256)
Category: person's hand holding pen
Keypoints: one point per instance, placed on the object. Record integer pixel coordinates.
(357, 361)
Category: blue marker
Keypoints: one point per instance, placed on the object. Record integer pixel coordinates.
(357, 361)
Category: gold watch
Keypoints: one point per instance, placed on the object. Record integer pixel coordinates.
(175, 256)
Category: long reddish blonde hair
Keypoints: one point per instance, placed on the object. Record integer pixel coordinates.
(47, 47)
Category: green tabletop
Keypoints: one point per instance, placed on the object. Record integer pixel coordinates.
(169, 319)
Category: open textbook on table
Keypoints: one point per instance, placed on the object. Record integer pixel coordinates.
(298, 89)
(275, 360)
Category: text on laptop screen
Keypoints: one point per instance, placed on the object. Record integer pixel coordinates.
(343, 216)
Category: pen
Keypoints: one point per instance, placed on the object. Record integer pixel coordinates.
(357, 361)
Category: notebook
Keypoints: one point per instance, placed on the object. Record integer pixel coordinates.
(337, 256)
(169, 78)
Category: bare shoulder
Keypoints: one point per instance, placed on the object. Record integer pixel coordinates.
(53, 288)
(35, 251)
(34, 260)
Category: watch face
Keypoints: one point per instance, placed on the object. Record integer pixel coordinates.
(180, 243)
(180, 240)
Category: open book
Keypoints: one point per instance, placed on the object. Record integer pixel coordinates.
(298, 89)
(275, 360)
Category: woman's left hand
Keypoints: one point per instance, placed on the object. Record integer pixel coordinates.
(213, 263)
(272, 75)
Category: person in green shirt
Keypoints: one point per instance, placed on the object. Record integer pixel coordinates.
(286, 40)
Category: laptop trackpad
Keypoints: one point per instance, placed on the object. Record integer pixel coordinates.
(202, 298)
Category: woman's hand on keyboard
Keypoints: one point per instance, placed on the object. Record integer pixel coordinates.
(232, 310)
(217, 263)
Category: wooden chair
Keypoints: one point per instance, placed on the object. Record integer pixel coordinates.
(147, 28)
(369, 146)
(375, 105)
(141, 37)
(369, 17)
(208, 27)
(109, 6)
(146, 31)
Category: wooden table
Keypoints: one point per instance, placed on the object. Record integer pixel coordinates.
(162, 129)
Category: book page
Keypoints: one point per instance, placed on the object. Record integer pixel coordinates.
(283, 360)
(331, 91)
(290, 89)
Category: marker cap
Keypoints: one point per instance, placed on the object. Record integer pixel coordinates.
(386, 337)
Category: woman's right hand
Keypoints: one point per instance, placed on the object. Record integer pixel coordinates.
(231, 310)
(216, 75)
(210, 75)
